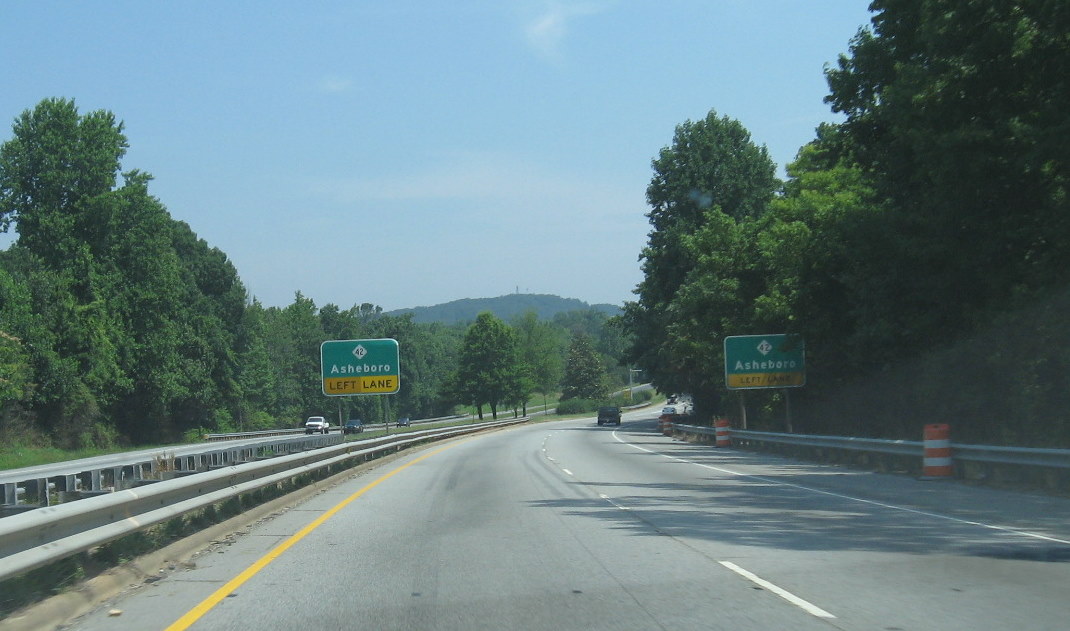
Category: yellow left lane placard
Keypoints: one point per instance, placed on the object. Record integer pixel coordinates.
(336, 386)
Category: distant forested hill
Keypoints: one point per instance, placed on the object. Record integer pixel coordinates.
(546, 306)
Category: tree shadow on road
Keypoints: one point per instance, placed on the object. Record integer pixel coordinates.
(751, 499)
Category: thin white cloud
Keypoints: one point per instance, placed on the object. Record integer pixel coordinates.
(490, 180)
(459, 176)
(334, 84)
(546, 33)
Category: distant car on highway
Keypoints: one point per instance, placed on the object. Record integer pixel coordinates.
(403, 421)
(353, 426)
(317, 424)
(609, 415)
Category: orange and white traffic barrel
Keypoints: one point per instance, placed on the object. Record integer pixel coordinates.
(665, 421)
(936, 462)
(723, 439)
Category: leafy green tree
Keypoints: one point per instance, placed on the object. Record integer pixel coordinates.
(14, 370)
(428, 353)
(50, 172)
(542, 348)
(585, 376)
(56, 178)
(711, 181)
(711, 162)
(256, 377)
(342, 325)
(606, 333)
(294, 336)
(169, 355)
(819, 245)
(141, 316)
(489, 364)
(715, 301)
(957, 110)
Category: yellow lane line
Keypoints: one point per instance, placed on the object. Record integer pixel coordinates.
(195, 614)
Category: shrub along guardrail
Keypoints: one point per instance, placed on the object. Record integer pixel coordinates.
(33, 539)
(1049, 468)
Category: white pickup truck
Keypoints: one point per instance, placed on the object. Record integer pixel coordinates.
(317, 424)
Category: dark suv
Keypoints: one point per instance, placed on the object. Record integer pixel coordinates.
(609, 415)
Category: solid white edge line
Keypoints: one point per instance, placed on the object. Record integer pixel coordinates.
(806, 606)
(1023, 533)
(610, 500)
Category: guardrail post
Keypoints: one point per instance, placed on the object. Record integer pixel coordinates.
(723, 438)
(936, 462)
(40, 487)
(11, 494)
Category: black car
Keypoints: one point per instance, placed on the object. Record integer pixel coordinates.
(403, 421)
(609, 415)
(353, 426)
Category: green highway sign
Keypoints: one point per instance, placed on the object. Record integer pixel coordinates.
(356, 367)
(764, 361)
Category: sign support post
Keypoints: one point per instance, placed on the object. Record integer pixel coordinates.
(787, 409)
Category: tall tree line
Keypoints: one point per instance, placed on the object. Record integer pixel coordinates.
(920, 246)
(119, 324)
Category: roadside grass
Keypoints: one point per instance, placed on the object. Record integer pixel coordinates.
(18, 456)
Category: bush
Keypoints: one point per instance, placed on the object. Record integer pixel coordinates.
(260, 420)
(98, 436)
(578, 406)
(637, 397)
(223, 421)
(195, 435)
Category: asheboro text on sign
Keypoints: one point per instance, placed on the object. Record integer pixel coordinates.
(769, 365)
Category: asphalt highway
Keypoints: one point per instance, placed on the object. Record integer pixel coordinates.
(565, 525)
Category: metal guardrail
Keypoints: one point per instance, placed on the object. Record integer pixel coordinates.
(1022, 456)
(873, 445)
(212, 438)
(33, 539)
(30, 488)
(1019, 456)
(75, 479)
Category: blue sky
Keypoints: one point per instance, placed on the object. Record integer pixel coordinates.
(412, 153)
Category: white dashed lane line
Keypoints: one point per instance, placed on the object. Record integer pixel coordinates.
(801, 603)
(805, 605)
